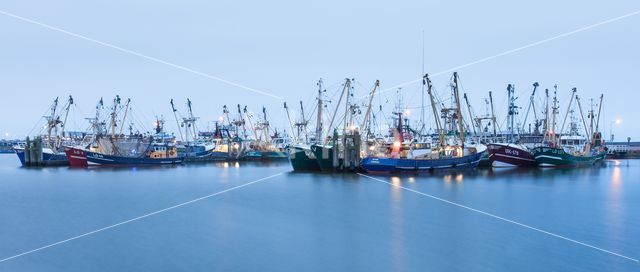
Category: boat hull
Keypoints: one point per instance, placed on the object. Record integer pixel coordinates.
(376, 165)
(485, 161)
(557, 157)
(94, 158)
(324, 157)
(76, 156)
(303, 159)
(255, 155)
(510, 155)
(48, 159)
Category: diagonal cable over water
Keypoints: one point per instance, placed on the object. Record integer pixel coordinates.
(501, 218)
(138, 54)
(514, 50)
(139, 217)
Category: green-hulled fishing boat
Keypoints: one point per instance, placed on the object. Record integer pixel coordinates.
(571, 150)
(558, 157)
(302, 158)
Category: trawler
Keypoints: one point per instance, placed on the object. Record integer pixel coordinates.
(448, 154)
(47, 149)
(262, 146)
(567, 151)
(512, 152)
(191, 146)
(343, 150)
(117, 148)
(300, 154)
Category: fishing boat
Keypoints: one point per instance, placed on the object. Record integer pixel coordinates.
(568, 150)
(47, 149)
(118, 148)
(45, 157)
(192, 145)
(6, 147)
(262, 145)
(227, 140)
(559, 157)
(452, 153)
(342, 151)
(511, 153)
(469, 160)
(116, 143)
(76, 156)
(301, 156)
(158, 154)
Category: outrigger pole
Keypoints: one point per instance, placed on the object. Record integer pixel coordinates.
(427, 81)
(173, 108)
(531, 105)
(347, 84)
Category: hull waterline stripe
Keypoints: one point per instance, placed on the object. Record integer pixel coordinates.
(501, 218)
(139, 217)
(549, 157)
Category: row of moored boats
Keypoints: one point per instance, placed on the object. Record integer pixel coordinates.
(352, 132)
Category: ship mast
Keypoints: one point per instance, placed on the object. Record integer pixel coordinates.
(319, 116)
(583, 121)
(116, 102)
(64, 123)
(512, 112)
(546, 116)
(422, 119)
(347, 111)
(189, 123)
(124, 117)
(591, 116)
(225, 111)
(493, 117)
(253, 129)
(573, 94)
(599, 111)
(266, 132)
(66, 115)
(304, 123)
(239, 123)
(96, 125)
(286, 109)
(51, 120)
(458, 111)
(554, 113)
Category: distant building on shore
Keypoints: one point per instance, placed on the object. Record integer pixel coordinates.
(623, 150)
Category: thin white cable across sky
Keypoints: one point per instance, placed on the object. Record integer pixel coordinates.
(138, 54)
(478, 61)
(269, 94)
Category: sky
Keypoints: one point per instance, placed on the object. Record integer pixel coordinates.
(284, 47)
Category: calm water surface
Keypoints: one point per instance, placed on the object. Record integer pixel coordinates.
(317, 222)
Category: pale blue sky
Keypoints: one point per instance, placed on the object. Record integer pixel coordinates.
(284, 47)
